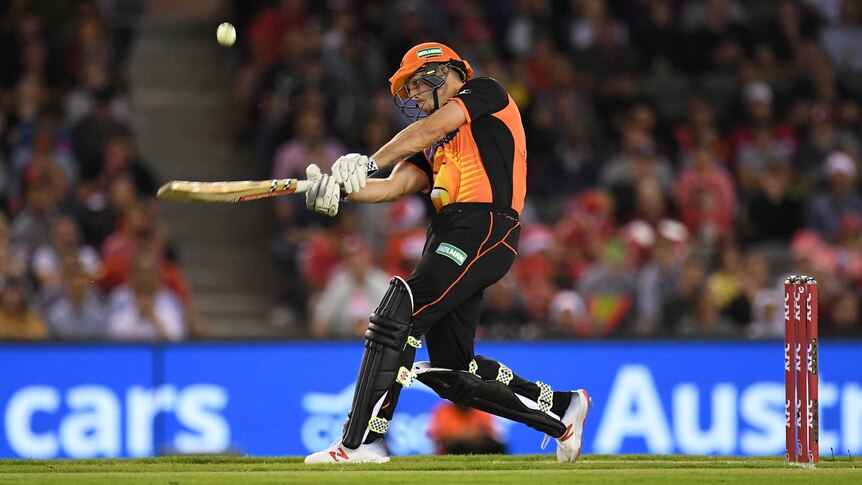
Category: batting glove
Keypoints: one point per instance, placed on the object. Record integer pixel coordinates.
(351, 171)
(324, 194)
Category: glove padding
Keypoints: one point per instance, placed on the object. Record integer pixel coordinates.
(324, 194)
(351, 172)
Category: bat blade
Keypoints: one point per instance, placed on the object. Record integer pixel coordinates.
(230, 191)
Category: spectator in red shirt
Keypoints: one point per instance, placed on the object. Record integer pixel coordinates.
(759, 104)
(266, 30)
(706, 198)
(406, 237)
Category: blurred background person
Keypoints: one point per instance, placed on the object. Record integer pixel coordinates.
(567, 315)
(18, 319)
(73, 306)
(47, 265)
(505, 315)
(608, 290)
(843, 316)
(840, 198)
(461, 430)
(145, 309)
(351, 294)
(740, 120)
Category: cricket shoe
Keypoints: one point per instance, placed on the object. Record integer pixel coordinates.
(338, 453)
(569, 445)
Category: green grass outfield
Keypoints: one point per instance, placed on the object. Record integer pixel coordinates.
(436, 470)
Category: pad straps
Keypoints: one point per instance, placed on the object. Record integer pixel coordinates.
(492, 396)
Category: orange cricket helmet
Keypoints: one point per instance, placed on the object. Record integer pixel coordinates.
(420, 55)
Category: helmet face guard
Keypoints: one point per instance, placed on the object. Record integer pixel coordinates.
(431, 62)
(432, 77)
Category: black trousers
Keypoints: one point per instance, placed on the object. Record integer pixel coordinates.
(447, 291)
(469, 247)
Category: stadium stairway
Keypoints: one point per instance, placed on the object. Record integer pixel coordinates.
(181, 81)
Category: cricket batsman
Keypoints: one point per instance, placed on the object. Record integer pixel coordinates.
(467, 151)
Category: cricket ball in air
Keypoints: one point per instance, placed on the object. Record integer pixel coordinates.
(226, 34)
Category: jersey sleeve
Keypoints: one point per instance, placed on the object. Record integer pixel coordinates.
(481, 96)
(420, 162)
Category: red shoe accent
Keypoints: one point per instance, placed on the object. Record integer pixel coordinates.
(340, 453)
(568, 434)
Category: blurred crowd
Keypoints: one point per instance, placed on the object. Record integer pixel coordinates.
(83, 252)
(684, 157)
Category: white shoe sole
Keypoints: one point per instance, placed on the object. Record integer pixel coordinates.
(576, 428)
(345, 462)
(352, 462)
(333, 457)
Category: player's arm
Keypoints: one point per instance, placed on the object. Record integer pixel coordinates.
(351, 170)
(423, 133)
(405, 179)
(324, 195)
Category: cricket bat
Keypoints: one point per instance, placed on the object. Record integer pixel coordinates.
(230, 191)
(240, 190)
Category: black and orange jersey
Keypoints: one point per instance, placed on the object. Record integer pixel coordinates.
(484, 160)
